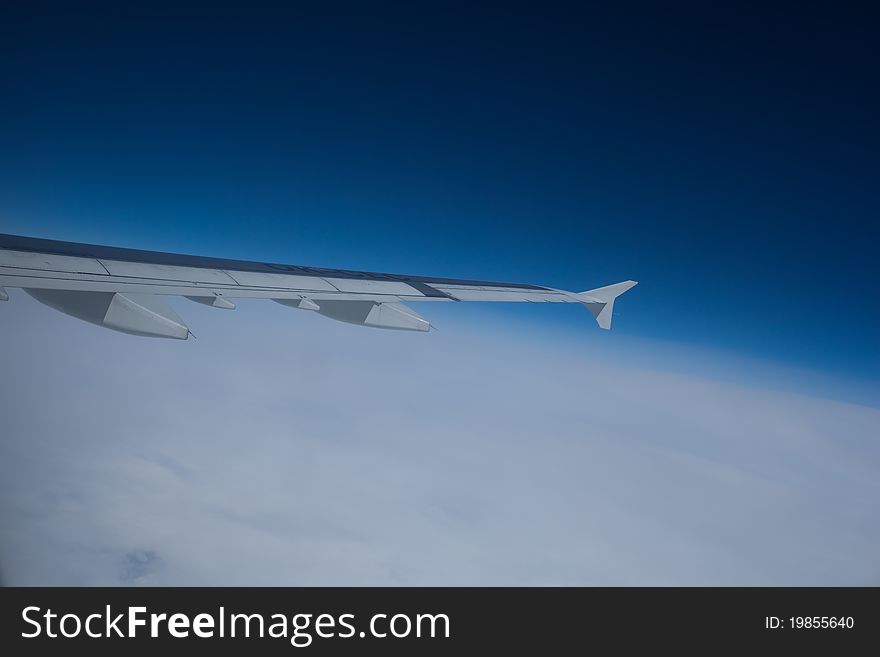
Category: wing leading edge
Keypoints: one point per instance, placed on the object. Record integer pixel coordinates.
(121, 289)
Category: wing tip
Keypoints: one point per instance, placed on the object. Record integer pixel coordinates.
(600, 301)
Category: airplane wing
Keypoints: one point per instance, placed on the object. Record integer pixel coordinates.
(123, 289)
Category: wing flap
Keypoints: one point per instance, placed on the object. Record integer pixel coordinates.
(50, 262)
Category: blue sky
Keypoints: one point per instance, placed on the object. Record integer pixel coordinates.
(725, 158)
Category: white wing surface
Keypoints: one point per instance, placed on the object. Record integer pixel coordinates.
(122, 289)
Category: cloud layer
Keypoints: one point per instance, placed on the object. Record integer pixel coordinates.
(283, 448)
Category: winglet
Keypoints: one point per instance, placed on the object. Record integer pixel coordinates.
(600, 301)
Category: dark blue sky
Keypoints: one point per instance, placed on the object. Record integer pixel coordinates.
(727, 158)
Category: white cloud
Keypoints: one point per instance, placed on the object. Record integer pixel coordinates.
(283, 448)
